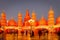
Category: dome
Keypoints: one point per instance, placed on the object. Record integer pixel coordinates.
(12, 22)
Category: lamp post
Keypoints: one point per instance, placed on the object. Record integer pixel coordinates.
(31, 21)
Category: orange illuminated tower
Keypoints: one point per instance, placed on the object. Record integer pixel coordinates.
(33, 15)
(34, 18)
(42, 21)
(51, 16)
(20, 19)
(3, 19)
(12, 22)
(58, 20)
(27, 17)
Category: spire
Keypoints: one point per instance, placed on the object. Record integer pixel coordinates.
(27, 16)
(3, 19)
(20, 19)
(51, 11)
(51, 16)
(33, 15)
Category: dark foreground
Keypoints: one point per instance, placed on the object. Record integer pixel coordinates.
(43, 36)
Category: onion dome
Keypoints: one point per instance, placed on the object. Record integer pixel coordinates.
(42, 21)
(12, 22)
(58, 20)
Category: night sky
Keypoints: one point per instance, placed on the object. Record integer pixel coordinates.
(41, 7)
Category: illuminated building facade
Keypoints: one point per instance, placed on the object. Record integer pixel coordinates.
(26, 24)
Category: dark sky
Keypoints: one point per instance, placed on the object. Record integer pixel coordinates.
(41, 7)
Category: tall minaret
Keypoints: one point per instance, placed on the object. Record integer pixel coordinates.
(34, 18)
(20, 19)
(3, 19)
(51, 17)
(33, 15)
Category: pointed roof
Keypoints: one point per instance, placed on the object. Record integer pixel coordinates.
(27, 16)
(51, 10)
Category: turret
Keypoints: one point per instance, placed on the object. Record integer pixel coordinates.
(3, 19)
(34, 18)
(33, 15)
(20, 19)
(51, 17)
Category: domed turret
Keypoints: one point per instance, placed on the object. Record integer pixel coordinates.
(12, 22)
(20, 19)
(51, 17)
(3, 19)
(33, 15)
(34, 18)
